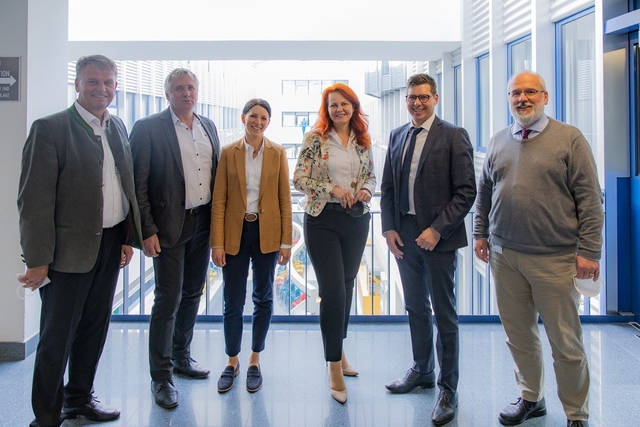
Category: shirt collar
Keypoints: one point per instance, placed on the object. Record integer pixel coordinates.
(537, 126)
(175, 118)
(89, 117)
(332, 133)
(247, 146)
(427, 124)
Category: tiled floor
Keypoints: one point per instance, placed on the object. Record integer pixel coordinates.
(296, 393)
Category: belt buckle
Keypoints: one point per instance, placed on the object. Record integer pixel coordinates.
(251, 217)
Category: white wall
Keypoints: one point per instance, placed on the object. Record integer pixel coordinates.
(36, 31)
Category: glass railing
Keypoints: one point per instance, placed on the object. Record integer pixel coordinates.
(378, 291)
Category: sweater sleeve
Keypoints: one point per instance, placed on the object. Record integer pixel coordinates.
(587, 194)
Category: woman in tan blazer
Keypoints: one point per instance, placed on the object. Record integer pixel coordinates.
(250, 223)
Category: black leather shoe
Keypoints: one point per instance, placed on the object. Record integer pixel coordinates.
(254, 379)
(411, 380)
(93, 410)
(577, 423)
(445, 409)
(35, 423)
(521, 410)
(165, 393)
(189, 368)
(228, 375)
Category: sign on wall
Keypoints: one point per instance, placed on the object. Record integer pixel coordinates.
(9, 78)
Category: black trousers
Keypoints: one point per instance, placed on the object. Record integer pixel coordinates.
(428, 286)
(335, 242)
(74, 321)
(235, 275)
(180, 273)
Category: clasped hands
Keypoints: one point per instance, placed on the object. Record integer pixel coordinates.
(347, 200)
(427, 240)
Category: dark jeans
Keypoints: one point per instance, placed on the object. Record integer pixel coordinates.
(180, 273)
(335, 242)
(74, 321)
(235, 275)
(428, 285)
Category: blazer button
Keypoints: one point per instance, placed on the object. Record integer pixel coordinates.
(98, 233)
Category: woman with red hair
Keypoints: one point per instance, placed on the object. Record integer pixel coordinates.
(335, 172)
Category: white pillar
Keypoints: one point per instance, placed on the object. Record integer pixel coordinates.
(36, 32)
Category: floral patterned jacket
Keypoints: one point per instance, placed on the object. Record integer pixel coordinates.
(312, 173)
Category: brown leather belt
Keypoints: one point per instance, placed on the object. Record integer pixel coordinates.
(250, 217)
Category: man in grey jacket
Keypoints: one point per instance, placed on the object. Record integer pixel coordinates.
(78, 218)
(538, 223)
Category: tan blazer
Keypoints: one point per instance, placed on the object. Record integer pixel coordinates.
(229, 204)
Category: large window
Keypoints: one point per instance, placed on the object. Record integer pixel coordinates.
(298, 118)
(518, 59)
(576, 74)
(483, 96)
(307, 87)
(519, 56)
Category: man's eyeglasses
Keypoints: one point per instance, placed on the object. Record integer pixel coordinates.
(527, 92)
(411, 99)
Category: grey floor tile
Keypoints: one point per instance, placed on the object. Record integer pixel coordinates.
(296, 391)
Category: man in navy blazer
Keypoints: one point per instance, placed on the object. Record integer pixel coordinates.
(424, 201)
(175, 155)
(78, 220)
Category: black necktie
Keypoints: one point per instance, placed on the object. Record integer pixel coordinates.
(404, 175)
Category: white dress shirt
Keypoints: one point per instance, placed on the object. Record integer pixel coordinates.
(115, 205)
(421, 139)
(196, 152)
(344, 162)
(253, 172)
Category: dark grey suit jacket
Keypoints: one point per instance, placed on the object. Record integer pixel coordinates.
(445, 185)
(159, 174)
(60, 193)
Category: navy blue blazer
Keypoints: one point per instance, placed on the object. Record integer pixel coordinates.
(159, 174)
(445, 184)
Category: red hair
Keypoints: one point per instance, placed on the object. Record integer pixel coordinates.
(358, 123)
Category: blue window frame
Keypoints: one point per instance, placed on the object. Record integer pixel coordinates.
(483, 125)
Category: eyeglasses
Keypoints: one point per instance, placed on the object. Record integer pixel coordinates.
(411, 99)
(527, 92)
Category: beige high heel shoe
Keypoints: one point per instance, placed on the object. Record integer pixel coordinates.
(347, 369)
(336, 382)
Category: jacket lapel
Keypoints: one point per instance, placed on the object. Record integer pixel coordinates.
(268, 157)
(239, 161)
(432, 137)
(398, 150)
(172, 139)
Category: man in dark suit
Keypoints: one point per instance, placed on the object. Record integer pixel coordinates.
(175, 156)
(425, 198)
(78, 216)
